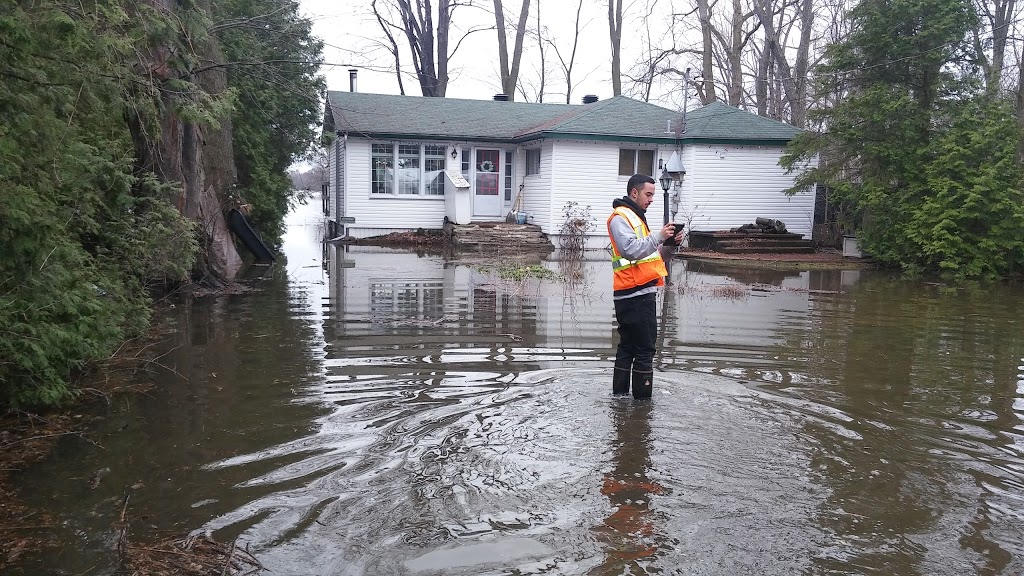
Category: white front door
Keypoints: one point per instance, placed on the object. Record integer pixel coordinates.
(487, 189)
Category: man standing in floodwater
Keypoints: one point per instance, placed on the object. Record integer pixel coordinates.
(638, 271)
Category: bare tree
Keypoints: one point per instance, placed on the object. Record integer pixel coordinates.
(510, 76)
(761, 80)
(657, 59)
(706, 89)
(392, 46)
(645, 70)
(539, 34)
(569, 63)
(543, 61)
(793, 80)
(615, 34)
(998, 15)
(429, 44)
(732, 48)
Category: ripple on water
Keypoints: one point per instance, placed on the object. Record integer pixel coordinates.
(392, 484)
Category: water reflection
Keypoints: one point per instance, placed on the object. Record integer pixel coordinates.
(630, 534)
(471, 417)
(378, 412)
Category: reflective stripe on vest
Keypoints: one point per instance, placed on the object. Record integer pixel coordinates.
(631, 274)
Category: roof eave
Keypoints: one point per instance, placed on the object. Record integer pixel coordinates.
(430, 137)
(568, 136)
(657, 139)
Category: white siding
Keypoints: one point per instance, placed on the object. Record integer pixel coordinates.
(382, 214)
(331, 208)
(727, 186)
(588, 172)
(336, 179)
(536, 188)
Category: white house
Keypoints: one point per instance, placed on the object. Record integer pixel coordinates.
(389, 155)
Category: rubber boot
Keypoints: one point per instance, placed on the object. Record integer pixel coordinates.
(620, 381)
(643, 384)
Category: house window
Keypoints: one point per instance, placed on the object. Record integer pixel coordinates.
(466, 162)
(382, 162)
(433, 169)
(420, 300)
(533, 161)
(508, 176)
(407, 169)
(634, 161)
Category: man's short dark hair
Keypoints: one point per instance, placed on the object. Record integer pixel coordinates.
(637, 181)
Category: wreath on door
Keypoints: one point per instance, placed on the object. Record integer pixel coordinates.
(487, 166)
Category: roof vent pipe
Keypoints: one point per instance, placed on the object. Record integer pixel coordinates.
(352, 79)
(589, 99)
(501, 97)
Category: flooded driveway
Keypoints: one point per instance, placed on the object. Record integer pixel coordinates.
(380, 412)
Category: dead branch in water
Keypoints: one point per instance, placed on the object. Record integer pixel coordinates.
(189, 556)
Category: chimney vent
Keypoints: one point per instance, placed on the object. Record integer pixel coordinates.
(501, 97)
(589, 99)
(352, 79)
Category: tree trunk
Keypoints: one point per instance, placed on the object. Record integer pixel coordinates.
(615, 33)
(761, 86)
(1020, 106)
(418, 25)
(794, 97)
(543, 62)
(707, 70)
(802, 66)
(999, 19)
(735, 91)
(510, 76)
(443, 26)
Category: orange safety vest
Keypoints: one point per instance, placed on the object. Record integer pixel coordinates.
(634, 273)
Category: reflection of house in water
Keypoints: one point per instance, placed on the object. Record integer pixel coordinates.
(747, 323)
(384, 296)
(744, 274)
(383, 299)
(378, 291)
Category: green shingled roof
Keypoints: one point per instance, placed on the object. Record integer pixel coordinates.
(718, 121)
(618, 118)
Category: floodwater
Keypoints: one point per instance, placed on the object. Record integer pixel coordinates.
(380, 412)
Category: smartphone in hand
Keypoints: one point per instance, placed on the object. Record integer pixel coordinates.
(671, 240)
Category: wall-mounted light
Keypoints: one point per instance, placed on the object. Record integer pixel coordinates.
(455, 152)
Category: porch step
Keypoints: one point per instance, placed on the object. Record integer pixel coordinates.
(728, 242)
(762, 243)
(497, 236)
(766, 250)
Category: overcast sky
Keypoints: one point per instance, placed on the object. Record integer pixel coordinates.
(353, 37)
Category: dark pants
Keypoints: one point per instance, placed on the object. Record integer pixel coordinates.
(638, 334)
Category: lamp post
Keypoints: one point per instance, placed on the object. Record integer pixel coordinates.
(666, 183)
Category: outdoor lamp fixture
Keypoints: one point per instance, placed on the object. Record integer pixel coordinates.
(666, 183)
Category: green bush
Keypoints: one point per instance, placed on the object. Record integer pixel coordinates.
(83, 234)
